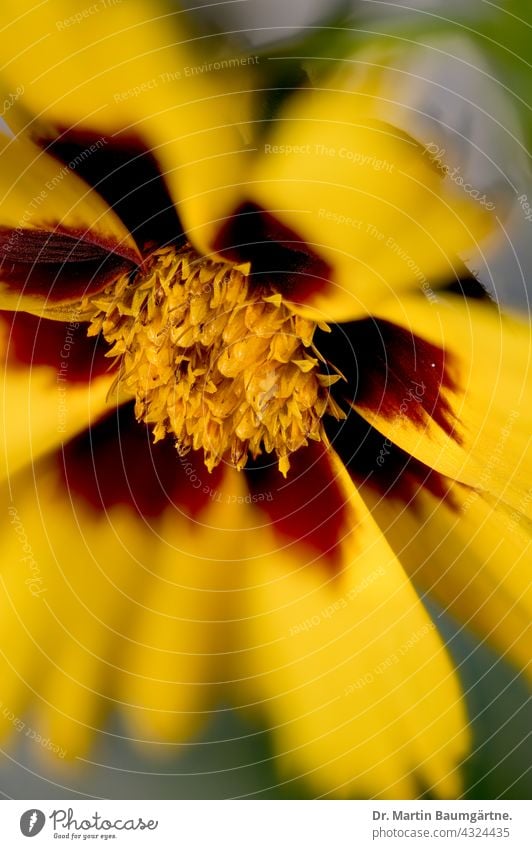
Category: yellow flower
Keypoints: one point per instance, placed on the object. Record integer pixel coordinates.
(247, 408)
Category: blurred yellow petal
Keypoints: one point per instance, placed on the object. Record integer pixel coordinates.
(89, 603)
(470, 554)
(182, 633)
(65, 577)
(79, 65)
(136, 68)
(203, 145)
(489, 397)
(350, 672)
(365, 197)
(42, 409)
(102, 611)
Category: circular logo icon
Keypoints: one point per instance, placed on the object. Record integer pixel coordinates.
(32, 822)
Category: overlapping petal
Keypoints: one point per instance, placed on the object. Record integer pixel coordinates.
(362, 195)
(163, 621)
(64, 586)
(137, 69)
(470, 553)
(103, 610)
(350, 671)
(177, 667)
(488, 396)
(42, 408)
(58, 237)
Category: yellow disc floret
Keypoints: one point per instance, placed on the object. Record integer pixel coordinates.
(214, 361)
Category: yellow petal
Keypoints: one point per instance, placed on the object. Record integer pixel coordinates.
(470, 554)
(152, 634)
(42, 409)
(110, 610)
(487, 359)
(181, 636)
(38, 192)
(89, 602)
(66, 573)
(76, 64)
(45, 204)
(137, 68)
(351, 672)
(362, 195)
(203, 145)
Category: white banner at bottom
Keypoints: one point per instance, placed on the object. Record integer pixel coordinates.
(265, 824)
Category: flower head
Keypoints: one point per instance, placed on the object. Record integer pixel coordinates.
(216, 363)
(251, 416)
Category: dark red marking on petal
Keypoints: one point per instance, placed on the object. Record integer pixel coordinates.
(374, 460)
(34, 341)
(390, 371)
(55, 243)
(29, 246)
(308, 507)
(58, 265)
(115, 462)
(279, 257)
(126, 174)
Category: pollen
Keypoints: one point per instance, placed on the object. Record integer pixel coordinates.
(213, 361)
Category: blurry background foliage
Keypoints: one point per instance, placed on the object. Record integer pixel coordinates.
(336, 29)
(234, 758)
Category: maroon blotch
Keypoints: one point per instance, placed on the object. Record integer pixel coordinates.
(60, 265)
(63, 345)
(308, 507)
(126, 174)
(279, 257)
(115, 462)
(390, 371)
(376, 461)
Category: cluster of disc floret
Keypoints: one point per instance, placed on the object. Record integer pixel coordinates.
(213, 360)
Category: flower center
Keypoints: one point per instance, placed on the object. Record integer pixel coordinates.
(217, 363)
